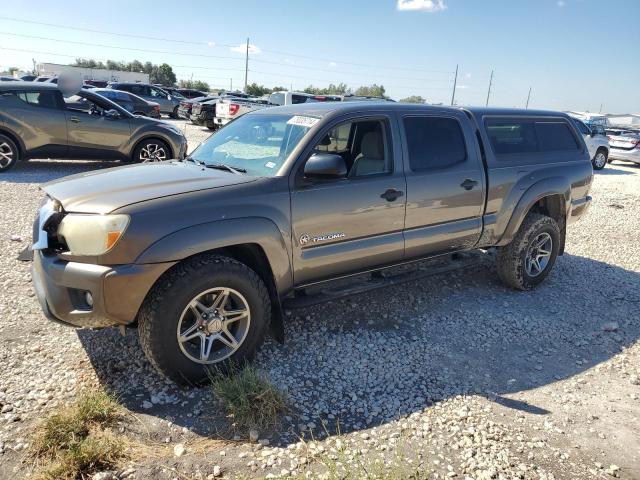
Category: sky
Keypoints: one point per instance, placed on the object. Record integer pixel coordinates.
(573, 54)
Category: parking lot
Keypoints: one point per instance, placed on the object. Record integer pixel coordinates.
(457, 375)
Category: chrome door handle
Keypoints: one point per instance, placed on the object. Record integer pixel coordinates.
(74, 120)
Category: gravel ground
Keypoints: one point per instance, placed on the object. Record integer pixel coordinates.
(455, 374)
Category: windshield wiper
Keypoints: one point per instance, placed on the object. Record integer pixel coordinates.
(224, 166)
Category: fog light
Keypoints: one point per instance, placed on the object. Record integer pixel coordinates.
(88, 298)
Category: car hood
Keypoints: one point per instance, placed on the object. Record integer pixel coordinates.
(105, 191)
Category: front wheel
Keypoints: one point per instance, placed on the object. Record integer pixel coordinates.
(8, 153)
(210, 311)
(151, 150)
(528, 259)
(600, 160)
(174, 114)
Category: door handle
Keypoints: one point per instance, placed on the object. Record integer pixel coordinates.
(391, 195)
(74, 120)
(468, 184)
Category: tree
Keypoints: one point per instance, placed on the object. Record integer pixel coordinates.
(162, 74)
(194, 84)
(371, 91)
(257, 90)
(413, 99)
(340, 89)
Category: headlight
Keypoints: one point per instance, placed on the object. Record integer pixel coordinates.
(92, 234)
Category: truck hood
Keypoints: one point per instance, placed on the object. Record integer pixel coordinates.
(105, 191)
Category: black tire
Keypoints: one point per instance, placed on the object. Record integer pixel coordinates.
(174, 114)
(511, 258)
(151, 150)
(213, 128)
(166, 303)
(9, 153)
(597, 162)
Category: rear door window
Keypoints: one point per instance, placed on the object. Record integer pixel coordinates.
(434, 142)
(139, 90)
(45, 99)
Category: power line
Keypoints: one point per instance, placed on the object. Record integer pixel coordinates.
(213, 44)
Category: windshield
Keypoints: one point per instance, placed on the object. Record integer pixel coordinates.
(258, 144)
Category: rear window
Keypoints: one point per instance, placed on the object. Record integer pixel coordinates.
(45, 99)
(434, 142)
(514, 136)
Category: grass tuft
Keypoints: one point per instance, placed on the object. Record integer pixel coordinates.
(249, 396)
(75, 441)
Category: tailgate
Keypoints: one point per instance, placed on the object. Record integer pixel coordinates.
(222, 109)
(624, 143)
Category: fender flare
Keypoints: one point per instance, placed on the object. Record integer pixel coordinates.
(536, 192)
(219, 234)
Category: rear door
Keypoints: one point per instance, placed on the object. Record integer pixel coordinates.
(341, 226)
(42, 126)
(588, 139)
(445, 183)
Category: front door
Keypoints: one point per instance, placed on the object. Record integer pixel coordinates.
(355, 223)
(445, 184)
(92, 134)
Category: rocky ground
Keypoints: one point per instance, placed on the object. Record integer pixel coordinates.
(455, 375)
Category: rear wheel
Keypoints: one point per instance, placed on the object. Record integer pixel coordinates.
(174, 114)
(151, 150)
(8, 153)
(211, 311)
(600, 159)
(528, 259)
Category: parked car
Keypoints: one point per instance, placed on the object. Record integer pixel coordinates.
(186, 106)
(294, 98)
(231, 108)
(130, 102)
(625, 144)
(35, 122)
(597, 144)
(191, 93)
(204, 113)
(169, 104)
(28, 78)
(204, 255)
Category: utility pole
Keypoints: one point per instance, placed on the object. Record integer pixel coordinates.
(489, 92)
(34, 66)
(600, 111)
(528, 97)
(246, 67)
(231, 84)
(455, 82)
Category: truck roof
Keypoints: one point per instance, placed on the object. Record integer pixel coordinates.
(324, 109)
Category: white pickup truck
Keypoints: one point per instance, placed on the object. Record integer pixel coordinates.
(232, 108)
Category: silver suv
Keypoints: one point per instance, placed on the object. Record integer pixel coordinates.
(36, 122)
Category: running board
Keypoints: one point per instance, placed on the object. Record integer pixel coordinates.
(380, 278)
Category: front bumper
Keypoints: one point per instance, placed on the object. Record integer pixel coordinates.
(118, 291)
(626, 155)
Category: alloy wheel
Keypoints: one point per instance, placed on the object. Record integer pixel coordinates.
(152, 152)
(538, 254)
(6, 155)
(213, 325)
(600, 160)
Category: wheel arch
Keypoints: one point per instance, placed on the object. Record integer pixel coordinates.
(152, 136)
(256, 242)
(551, 197)
(15, 138)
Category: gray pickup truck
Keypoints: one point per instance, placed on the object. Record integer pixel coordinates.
(203, 255)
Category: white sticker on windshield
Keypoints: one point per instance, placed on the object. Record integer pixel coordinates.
(269, 164)
(303, 121)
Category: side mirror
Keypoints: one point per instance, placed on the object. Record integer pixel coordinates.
(325, 166)
(593, 132)
(112, 114)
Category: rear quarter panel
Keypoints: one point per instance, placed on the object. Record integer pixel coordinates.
(517, 181)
